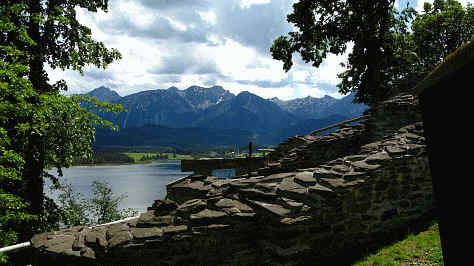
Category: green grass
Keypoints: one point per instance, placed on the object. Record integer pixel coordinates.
(138, 155)
(423, 248)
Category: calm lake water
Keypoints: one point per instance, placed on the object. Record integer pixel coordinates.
(143, 183)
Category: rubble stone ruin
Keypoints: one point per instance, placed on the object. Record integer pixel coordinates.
(320, 196)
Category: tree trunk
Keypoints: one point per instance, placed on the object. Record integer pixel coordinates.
(34, 154)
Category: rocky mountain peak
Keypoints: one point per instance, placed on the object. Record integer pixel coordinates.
(105, 94)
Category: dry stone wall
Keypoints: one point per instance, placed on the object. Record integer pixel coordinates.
(289, 214)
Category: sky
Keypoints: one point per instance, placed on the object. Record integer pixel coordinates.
(183, 43)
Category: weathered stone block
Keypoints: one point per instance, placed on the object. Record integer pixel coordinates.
(146, 233)
(305, 179)
(149, 219)
(271, 208)
(192, 206)
(119, 238)
(207, 216)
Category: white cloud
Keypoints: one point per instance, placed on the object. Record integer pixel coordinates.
(300, 75)
(249, 3)
(208, 17)
(420, 4)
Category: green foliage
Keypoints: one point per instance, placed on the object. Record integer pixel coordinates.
(386, 57)
(439, 30)
(328, 26)
(39, 127)
(104, 157)
(103, 207)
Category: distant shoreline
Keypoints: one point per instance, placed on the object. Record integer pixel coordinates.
(125, 163)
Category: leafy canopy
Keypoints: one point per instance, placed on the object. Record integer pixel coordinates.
(386, 56)
(39, 126)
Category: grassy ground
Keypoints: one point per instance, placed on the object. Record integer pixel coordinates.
(137, 156)
(420, 249)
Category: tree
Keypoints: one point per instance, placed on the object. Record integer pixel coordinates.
(104, 207)
(439, 30)
(39, 127)
(327, 26)
(386, 57)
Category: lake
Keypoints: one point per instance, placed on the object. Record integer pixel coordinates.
(143, 183)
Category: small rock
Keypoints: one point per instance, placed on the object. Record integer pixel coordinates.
(87, 252)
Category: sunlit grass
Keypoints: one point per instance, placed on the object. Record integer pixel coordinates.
(137, 156)
(423, 248)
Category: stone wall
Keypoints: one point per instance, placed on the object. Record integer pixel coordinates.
(205, 167)
(318, 206)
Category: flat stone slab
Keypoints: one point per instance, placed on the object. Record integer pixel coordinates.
(149, 219)
(378, 158)
(207, 214)
(271, 208)
(174, 229)
(192, 206)
(230, 203)
(146, 233)
(324, 173)
(319, 189)
(255, 193)
(305, 178)
(290, 188)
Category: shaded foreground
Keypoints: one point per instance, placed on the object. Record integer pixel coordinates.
(342, 193)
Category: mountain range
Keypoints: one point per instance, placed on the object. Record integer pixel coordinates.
(175, 112)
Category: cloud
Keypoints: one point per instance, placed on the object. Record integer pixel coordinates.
(183, 59)
(249, 3)
(420, 4)
(182, 43)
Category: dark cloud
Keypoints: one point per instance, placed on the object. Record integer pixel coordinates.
(99, 74)
(185, 62)
(159, 28)
(256, 26)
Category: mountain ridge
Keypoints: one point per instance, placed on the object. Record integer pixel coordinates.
(219, 109)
